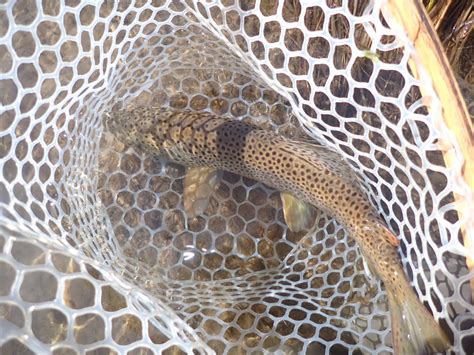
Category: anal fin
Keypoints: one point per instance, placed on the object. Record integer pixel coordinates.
(199, 184)
(298, 213)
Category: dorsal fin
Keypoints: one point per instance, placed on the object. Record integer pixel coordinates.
(327, 156)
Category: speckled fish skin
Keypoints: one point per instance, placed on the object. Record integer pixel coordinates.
(311, 173)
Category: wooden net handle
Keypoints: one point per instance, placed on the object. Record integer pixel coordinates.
(411, 17)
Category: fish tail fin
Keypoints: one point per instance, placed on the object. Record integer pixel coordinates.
(415, 331)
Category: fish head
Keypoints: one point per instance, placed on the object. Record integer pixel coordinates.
(141, 127)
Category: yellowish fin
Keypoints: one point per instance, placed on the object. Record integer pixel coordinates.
(414, 329)
(298, 214)
(199, 184)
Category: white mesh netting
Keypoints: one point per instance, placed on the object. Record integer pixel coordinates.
(96, 254)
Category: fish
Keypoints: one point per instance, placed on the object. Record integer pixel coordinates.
(307, 176)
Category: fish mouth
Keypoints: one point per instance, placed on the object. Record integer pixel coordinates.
(115, 123)
(111, 122)
(106, 120)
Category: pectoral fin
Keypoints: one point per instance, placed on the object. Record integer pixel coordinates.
(199, 183)
(369, 270)
(298, 214)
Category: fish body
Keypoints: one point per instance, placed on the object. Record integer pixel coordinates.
(313, 174)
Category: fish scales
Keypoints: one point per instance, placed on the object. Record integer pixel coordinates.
(311, 173)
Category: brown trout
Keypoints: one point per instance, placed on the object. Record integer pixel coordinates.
(304, 174)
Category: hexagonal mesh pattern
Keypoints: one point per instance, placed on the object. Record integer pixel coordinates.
(96, 252)
(68, 304)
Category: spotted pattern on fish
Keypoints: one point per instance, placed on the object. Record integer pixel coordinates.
(312, 173)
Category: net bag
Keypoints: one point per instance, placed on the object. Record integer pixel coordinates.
(96, 253)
